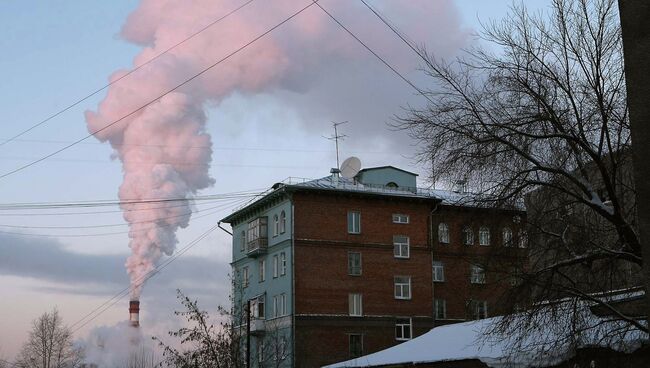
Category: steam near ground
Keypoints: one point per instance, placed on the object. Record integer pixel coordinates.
(114, 346)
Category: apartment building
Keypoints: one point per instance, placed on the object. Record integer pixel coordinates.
(337, 268)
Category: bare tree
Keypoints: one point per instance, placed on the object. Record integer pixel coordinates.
(49, 345)
(541, 118)
(203, 343)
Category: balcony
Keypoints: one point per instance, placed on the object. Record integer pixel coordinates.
(258, 326)
(257, 247)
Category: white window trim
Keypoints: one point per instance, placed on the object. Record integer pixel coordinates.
(397, 245)
(276, 225)
(283, 264)
(438, 265)
(354, 309)
(410, 328)
(275, 266)
(468, 236)
(446, 239)
(283, 222)
(245, 276)
(507, 237)
(401, 288)
(477, 274)
(351, 229)
(398, 216)
(481, 231)
(360, 264)
(436, 303)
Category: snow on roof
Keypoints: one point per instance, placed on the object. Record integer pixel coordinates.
(545, 344)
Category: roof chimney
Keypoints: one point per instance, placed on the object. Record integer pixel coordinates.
(134, 313)
(335, 176)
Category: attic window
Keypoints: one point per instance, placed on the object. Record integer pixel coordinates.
(392, 184)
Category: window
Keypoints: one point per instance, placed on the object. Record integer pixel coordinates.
(242, 241)
(244, 276)
(515, 277)
(402, 287)
(354, 263)
(523, 239)
(276, 225)
(262, 269)
(477, 274)
(283, 264)
(279, 305)
(401, 246)
(354, 222)
(484, 235)
(355, 305)
(275, 266)
(399, 218)
(356, 345)
(507, 237)
(440, 307)
(443, 233)
(438, 271)
(283, 222)
(257, 233)
(403, 329)
(468, 236)
(257, 307)
(478, 308)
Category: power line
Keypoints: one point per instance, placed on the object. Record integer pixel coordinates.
(203, 71)
(399, 34)
(96, 312)
(372, 52)
(123, 76)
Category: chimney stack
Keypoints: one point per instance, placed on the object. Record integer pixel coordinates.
(335, 176)
(134, 313)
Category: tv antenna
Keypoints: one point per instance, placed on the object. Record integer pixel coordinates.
(336, 138)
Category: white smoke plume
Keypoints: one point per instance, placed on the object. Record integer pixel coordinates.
(114, 346)
(159, 146)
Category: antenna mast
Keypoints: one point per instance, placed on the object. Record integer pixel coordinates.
(336, 138)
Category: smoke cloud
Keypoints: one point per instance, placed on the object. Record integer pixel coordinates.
(155, 144)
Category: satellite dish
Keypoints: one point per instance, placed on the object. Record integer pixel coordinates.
(350, 167)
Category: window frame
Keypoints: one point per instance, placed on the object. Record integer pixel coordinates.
(276, 225)
(351, 222)
(468, 236)
(477, 274)
(351, 268)
(262, 270)
(477, 306)
(523, 239)
(401, 286)
(283, 222)
(443, 229)
(245, 275)
(506, 236)
(283, 263)
(275, 266)
(397, 218)
(355, 304)
(438, 266)
(484, 236)
(400, 245)
(354, 354)
(401, 327)
(436, 308)
(243, 241)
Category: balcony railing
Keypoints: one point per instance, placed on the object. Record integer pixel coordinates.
(258, 326)
(257, 247)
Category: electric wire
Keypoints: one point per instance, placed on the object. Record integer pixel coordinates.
(201, 30)
(388, 65)
(399, 34)
(96, 312)
(203, 71)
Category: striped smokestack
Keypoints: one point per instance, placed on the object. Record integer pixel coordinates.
(134, 313)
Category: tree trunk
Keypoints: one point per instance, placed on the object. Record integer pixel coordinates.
(636, 45)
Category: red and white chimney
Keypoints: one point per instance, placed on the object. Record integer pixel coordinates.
(134, 313)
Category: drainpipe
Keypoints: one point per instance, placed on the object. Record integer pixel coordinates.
(433, 284)
(222, 228)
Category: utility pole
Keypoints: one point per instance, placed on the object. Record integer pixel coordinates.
(636, 47)
(336, 138)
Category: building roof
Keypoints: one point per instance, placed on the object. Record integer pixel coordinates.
(387, 167)
(545, 346)
(341, 184)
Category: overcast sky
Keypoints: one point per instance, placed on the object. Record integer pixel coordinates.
(56, 52)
